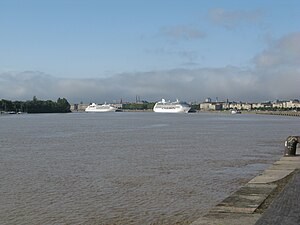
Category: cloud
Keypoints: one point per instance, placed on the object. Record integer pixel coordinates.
(231, 19)
(282, 52)
(275, 75)
(278, 66)
(182, 32)
(15, 85)
(228, 82)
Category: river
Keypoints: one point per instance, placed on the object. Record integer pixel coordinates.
(130, 168)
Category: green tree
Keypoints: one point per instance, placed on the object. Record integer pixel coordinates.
(63, 105)
(7, 106)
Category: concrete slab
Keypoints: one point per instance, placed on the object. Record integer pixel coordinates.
(246, 200)
(227, 219)
(291, 164)
(287, 166)
(291, 158)
(270, 175)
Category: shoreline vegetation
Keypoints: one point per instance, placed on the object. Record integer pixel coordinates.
(34, 106)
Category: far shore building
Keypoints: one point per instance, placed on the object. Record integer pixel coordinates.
(78, 107)
(240, 106)
(208, 105)
(292, 104)
(278, 104)
(264, 105)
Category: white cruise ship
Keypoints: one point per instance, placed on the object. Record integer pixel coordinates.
(171, 107)
(100, 108)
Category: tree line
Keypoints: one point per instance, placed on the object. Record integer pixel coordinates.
(138, 106)
(35, 106)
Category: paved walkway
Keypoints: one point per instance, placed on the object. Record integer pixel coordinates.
(244, 207)
(285, 209)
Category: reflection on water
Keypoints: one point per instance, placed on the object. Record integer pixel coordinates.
(130, 168)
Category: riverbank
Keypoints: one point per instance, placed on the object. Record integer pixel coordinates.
(260, 198)
(275, 113)
(279, 113)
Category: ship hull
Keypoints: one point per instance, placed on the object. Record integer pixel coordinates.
(100, 108)
(183, 110)
(171, 108)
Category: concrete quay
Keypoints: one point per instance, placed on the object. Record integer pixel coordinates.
(279, 113)
(271, 198)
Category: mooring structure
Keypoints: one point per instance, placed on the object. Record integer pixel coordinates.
(290, 145)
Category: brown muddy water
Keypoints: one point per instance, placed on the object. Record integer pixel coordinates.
(130, 168)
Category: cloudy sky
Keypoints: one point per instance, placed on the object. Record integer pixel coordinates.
(105, 50)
